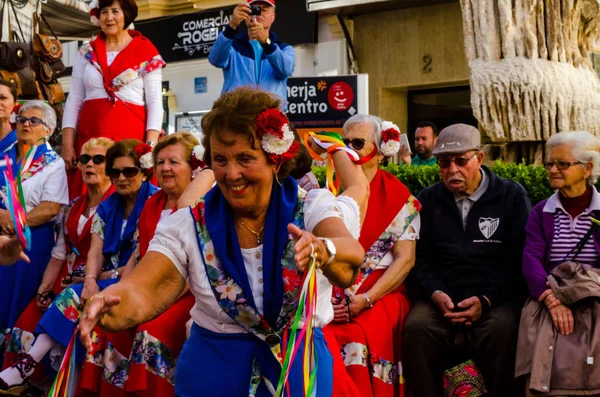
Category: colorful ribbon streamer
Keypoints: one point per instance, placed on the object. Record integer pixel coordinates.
(66, 379)
(307, 308)
(333, 142)
(15, 204)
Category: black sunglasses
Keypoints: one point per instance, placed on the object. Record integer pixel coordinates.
(33, 121)
(97, 159)
(459, 161)
(357, 143)
(128, 172)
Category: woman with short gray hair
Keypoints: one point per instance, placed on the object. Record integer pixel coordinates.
(44, 182)
(561, 232)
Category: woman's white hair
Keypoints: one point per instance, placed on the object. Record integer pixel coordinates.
(585, 148)
(373, 121)
(48, 114)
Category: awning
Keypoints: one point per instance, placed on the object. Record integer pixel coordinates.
(69, 19)
(355, 7)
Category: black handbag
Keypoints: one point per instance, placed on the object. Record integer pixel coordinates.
(14, 55)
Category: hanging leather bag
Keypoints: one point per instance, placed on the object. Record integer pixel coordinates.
(13, 55)
(45, 47)
(54, 93)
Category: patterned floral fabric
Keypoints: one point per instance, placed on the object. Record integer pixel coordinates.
(19, 341)
(230, 295)
(464, 380)
(69, 304)
(386, 241)
(116, 367)
(155, 355)
(129, 75)
(386, 371)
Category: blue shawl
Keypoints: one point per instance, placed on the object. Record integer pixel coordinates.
(8, 140)
(219, 222)
(117, 250)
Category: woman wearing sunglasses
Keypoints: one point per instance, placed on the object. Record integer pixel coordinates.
(44, 193)
(369, 315)
(561, 229)
(67, 265)
(128, 164)
(154, 346)
(8, 100)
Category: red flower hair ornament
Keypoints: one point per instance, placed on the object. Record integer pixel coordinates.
(390, 139)
(143, 152)
(277, 138)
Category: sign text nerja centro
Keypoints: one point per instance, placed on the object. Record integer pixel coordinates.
(303, 99)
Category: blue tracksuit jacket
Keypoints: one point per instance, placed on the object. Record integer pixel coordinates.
(235, 56)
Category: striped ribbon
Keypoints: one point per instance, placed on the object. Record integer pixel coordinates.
(66, 379)
(16, 203)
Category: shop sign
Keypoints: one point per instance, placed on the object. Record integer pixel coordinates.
(322, 102)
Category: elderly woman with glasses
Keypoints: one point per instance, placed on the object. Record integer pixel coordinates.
(67, 265)
(561, 232)
(44, 191)
(369, 315)
(128, 165)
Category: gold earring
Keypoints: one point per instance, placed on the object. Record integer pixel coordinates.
(277, 179)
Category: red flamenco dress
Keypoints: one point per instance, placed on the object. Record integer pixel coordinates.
(22, 336)
(147, 355)
(114, 118)
(367, 350)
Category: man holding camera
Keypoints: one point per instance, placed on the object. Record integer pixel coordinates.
(257, 58)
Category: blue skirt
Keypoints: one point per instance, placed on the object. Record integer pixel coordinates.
(19, 283)
(212, 364)
(62, 316)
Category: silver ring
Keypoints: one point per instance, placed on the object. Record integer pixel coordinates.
(312, 250)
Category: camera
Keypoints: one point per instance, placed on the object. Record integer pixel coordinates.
(255, 11)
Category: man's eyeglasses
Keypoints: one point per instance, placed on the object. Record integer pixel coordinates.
(459, 161)
(97, 159)
(33, 121)
(560, 165)
(357, 143)
(128, 172)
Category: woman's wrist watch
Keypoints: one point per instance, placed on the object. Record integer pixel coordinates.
(331, 250)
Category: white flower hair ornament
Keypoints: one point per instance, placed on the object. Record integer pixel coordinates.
(277, 138)
(94, 7)
(143, 152)
(197, 162)
(390, 139)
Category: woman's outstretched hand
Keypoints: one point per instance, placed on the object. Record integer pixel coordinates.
(307, 244)
(93, 312)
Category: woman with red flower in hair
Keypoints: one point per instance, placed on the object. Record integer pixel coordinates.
(128, 164)
(369, 315)
(234, 247)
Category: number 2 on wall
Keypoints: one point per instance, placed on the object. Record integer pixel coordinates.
(427, 60)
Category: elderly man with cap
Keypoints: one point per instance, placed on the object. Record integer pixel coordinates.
(257, 58)
(467, 281)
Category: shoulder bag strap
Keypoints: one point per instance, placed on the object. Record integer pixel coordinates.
(577, 249)
(2, 18)
(23, 39)
(49, 27)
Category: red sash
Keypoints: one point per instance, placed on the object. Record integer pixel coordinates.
(81, 242)
(137, 52)
(388, 196)
(149, 218)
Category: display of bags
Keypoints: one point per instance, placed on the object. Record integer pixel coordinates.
(13, 55)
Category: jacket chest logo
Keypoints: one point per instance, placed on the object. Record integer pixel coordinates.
(488, 226)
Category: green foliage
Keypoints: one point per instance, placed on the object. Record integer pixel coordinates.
(533, 178)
